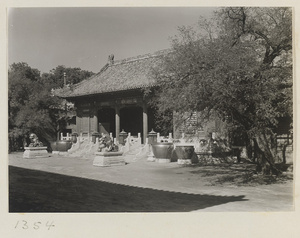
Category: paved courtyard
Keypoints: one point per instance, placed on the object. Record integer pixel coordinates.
(73, 184)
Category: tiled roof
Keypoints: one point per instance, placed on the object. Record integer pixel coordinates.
(130, 73)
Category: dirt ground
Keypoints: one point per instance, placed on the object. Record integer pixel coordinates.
(72, 184)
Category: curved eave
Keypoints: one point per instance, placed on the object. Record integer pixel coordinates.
(108, 92)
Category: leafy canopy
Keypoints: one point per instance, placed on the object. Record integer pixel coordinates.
(238, 65)
(32, 108)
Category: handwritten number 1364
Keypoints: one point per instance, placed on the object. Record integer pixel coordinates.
(36, 225)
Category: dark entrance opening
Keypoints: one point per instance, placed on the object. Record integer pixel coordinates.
(131, 120)
(107, 121)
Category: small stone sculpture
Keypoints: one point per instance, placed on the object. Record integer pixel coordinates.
(106, 144)
(34, 141)
(111, 59)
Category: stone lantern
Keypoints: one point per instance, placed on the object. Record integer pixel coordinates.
(152, 137)
(122, 137)
(95, 135)
(74, 137)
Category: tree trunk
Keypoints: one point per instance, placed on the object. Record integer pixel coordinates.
(249, 149)
(287, 143)
(283, 153)
(266, 154)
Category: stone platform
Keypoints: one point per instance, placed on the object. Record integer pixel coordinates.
(106, 159)
(35, 152)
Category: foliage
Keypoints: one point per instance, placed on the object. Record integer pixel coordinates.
(73, 75)
(241, 71)
(32, 108)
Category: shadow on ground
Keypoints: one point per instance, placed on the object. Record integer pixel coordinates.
(37, 191)
(241, 174)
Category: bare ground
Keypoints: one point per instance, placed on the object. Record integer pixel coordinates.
(66, 184)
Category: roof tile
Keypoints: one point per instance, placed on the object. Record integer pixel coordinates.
(131, 73)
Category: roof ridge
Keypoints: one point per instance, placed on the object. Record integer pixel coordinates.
(118, 90)
(141, 57)
(123, 61)
(126, 76)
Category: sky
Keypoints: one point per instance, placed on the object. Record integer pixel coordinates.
(85, 37)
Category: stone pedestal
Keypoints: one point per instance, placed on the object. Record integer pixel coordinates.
(106, 159)
(150, 156)
(35, 152)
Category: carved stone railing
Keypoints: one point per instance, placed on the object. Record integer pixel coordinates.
(164, 138)
(132, 143)
(67, 137)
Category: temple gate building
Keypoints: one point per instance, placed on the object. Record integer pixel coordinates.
(113, 99)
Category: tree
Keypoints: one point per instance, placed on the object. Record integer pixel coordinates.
(62, 110)
(32, 108)
(29, 102)
(73, 75)
(239, 67)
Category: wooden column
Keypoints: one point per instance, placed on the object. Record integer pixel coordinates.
(78, 124)
(89, 125)
(117, 111)
(95, 120)
(145, 122)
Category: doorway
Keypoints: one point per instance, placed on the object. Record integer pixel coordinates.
(106, 121)
(131, 120)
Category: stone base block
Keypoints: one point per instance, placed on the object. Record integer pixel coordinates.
(160, 160)
(150, 157)
(35, 152)
(60, 153)
(184, 161)
(106, 159)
